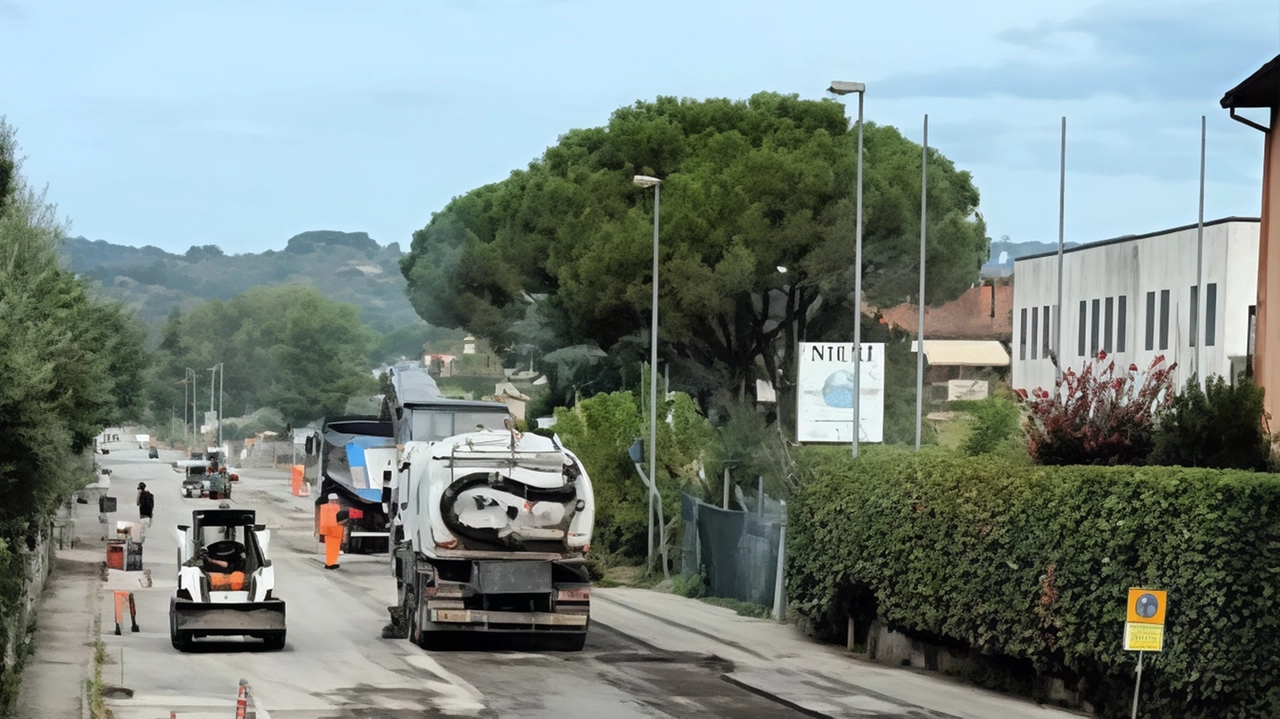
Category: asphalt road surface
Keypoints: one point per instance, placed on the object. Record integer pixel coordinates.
(336, 665)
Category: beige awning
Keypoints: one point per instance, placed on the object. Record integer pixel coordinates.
(964, 353)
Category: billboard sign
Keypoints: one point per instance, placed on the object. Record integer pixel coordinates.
(824, 401)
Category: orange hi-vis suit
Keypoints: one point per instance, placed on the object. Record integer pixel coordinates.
(332, 531)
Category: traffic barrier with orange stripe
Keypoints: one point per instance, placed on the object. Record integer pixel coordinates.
(297, 484)
(121, 596)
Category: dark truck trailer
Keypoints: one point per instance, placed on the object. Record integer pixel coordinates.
(357, 457)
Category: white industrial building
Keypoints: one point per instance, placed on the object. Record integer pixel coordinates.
(1136, 298)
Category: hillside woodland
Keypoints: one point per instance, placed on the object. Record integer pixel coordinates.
(346, 267)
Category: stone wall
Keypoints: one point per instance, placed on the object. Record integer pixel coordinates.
(36, 564)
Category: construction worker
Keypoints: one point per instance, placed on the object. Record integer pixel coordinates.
(332, 529)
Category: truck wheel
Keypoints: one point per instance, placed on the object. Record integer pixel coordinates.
(274, 643)
(179, 639)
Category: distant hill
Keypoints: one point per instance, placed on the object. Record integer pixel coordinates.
(1004, 251)
(346, 266)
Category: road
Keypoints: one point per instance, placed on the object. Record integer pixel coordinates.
(648, 654)
(337, 665)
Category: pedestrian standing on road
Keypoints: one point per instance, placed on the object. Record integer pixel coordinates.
(146, 505)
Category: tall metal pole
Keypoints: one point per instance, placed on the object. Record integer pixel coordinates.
(857, 297)
(195, 406)
(186, 406)
(1199, 308)
(653, 372)
(222, 380)
(924, 203)
(1062, 206)
(212, 376)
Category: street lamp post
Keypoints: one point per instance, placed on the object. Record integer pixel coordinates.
(656, 184)
(844, 88)
(217, 371)
(195, 421)
(212, 377)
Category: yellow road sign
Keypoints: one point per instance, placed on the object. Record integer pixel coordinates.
(1146, 606)
(1143, 637)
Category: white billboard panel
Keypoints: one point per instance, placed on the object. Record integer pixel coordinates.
(824, 403)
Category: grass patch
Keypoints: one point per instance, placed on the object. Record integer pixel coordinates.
(953, 432)
(743, 609)
(93, 686)
(627, 576)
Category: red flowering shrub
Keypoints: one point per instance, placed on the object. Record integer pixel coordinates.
(1098, 415)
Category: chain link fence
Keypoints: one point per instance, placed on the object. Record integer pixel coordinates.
(735, 551)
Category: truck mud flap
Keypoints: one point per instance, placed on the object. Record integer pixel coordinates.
(242, 618)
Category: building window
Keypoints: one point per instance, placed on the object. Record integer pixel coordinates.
(1151, 321)
(1195, 314)
(1164, 319)
(1108, 324)
(1044, 344)
(1122, 308)
(1095, 312)
(1082, 325)
(1022, 336)
(1035, 330)
(1210, 314)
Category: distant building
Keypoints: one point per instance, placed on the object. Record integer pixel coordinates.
(514, 399)
(983, 312)
(469, 345)
(1136, 298)
(1261, 91)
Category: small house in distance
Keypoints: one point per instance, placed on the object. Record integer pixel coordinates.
(965, 340)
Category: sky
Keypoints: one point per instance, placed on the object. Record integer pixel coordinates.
(242, 123)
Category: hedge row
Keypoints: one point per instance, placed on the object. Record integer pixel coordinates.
(1034, 564)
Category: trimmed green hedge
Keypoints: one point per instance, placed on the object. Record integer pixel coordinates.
(1034, 564)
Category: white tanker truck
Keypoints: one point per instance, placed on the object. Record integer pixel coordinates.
(489, 533)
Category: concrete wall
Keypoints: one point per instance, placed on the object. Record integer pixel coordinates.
(885, 646)
(262, 454)
(1132, 268)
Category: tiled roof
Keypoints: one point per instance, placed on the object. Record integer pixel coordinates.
(968, 317)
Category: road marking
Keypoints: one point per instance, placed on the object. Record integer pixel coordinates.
(456, 695)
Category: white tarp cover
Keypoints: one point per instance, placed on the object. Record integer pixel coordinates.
(964, 353)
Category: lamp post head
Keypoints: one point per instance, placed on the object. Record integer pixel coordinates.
(646, 181)
(839, 87)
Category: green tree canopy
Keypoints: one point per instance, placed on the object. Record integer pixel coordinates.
(748, 187)
(69, 365)
(284, 347)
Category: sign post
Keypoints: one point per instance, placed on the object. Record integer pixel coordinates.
(1144, 629)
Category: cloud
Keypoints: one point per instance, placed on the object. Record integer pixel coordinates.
(1119, 146)
(11, 10)
(1168, 51)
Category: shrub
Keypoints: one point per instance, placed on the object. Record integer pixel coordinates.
(600, 430)
(1099, 415)
(1219, 426)
(994, 425)
(1034, 564)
